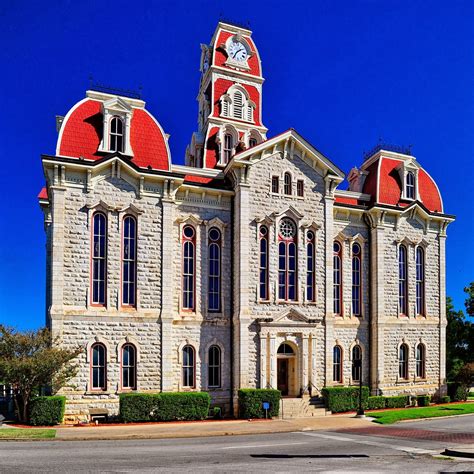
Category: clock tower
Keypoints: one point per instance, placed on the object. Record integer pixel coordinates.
(230, 99)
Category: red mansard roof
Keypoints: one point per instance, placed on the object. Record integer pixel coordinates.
(81, 134)
(384, 178)
(43, 194)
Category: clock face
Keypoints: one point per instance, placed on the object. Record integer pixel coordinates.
(237, 51)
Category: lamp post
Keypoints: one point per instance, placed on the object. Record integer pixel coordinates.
(360, 410)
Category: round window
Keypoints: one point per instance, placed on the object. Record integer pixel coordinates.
(188, 232)
(214, 234)
(287, 229)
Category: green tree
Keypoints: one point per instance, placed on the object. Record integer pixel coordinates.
(469, 303)
(31, 360)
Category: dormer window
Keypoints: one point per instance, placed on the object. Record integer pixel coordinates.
(116, 135)
(410, 185)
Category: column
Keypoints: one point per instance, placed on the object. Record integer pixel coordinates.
(263, 360)
(305, 363)
(273, 362)
(168, 371)
(442, 312)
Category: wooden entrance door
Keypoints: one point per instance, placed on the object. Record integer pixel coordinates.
(282, 376)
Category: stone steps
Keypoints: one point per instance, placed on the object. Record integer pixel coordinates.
(302, 407)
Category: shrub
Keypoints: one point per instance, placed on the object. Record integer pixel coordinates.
(45, 411)
(135, 407)
(423, 400)
(339, 399)
(181, 406)
(164, 406)
(251, 402)
(445, 399)
(216, 413)
(376, 403)
(457, 391)
(399, 401)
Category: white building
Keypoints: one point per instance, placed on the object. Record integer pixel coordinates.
(248, 266)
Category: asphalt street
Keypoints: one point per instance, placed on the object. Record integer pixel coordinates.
(324, 451)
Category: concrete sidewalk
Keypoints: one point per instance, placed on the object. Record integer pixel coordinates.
(208, 428)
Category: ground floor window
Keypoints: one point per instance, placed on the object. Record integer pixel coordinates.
(189, 366)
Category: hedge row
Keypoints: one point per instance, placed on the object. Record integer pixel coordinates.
(340, 399)
(135, 407)
(47, 411)
(423, 400)
(251, 402)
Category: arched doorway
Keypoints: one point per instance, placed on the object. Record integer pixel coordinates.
(286, 369)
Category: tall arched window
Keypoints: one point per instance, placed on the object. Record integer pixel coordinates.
(98, 367)
(189, 267)
(227, 150)
(189, 366)
(420, 281)
(116, 134)
(99, 258)
(129, 367)
(129, 261)
(238, 104)
(214, 373)
(263, 295)
(337, 364)
(403, 362)
(287, 184)
(421, 361)
(287, 260)
(402, 280)
(337, 277)
(356, 363)
(214, 289)
(356, 279)
(310, 267)
(410, 185)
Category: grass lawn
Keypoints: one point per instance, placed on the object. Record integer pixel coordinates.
(27, 433)
(391, 416)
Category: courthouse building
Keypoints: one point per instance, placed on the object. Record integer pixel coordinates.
(246, 267)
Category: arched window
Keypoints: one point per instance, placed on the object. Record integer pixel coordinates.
(98, 367)
(214, 375)
(252, 142)
(285, 349)
(300, 188)
(356, 280)
(421, 361)
(189, 267)
(337, 277)
(402, 280)
(129, 261)
(410, 185)
(189, 366)
(403, 362)
(116, 134)
(99, 258)
(227, 149)
(420, 281)
(337, 364)
(356, 363)
(310, 267)
(238, 105)
(287, 260)
(275, 184)
(287, 184)
(129, 367)
(214, 289)
(263, 295)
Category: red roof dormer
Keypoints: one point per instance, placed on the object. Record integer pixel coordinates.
(86, 128)
(387, 181)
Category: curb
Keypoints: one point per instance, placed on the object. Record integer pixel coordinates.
(458, 452)
(432, 418)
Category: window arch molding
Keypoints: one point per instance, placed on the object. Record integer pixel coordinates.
(98, 340)
(128, 340)
(253, 135)
(236, 104)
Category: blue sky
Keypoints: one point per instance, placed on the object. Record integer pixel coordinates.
(342, 73)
